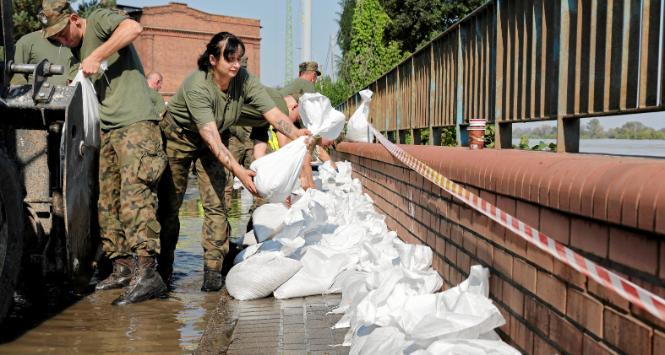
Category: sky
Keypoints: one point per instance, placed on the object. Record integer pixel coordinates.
(272, 14)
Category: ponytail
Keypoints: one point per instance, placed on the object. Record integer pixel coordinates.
(222, 43)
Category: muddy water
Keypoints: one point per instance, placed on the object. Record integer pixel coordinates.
(89, 324)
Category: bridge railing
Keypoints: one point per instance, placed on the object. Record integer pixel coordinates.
(524, 61)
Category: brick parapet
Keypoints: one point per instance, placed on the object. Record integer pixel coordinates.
(548, 306)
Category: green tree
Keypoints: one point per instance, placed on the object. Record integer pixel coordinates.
(368, 57)
(24, 17)
(345, 22)
(415, 22)
(594, 129)
(337, 91)
(86, 7)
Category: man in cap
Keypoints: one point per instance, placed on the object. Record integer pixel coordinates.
(131, 158)
(155, 81)
(32, 48)
(308, 72)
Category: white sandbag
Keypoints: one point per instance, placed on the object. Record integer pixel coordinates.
(260, 275)
(90, 110)
(320, 268)
(320, 117)
(378, 340)
(246, 253)
(414, 256)
(357, 130)
(277, 174)
(267, 220)
(471, 347)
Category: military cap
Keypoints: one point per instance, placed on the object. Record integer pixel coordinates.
(307, 66)
(54, 16)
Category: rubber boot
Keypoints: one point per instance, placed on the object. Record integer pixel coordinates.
(212, 280)
(119, 278)
(165, 266)
(145, 284)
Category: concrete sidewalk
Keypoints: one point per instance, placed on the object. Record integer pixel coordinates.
(270, 326)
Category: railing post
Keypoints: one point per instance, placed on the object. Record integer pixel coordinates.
(461, 137)
(568, 130)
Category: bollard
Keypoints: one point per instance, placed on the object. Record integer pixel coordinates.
(476, 133)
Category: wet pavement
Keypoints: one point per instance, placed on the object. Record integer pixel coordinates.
(64, 323)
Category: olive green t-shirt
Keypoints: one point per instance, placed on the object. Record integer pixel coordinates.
(158, 101)
(33, 48)
(249, 112)
(199, 100)
(124, 95)
(297, 88)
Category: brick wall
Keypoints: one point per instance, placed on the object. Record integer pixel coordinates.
(174, 35)
(609, 209)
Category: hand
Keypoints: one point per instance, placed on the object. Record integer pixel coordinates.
(90, 66)
(302, 132)
(245, 176)
(326, 142)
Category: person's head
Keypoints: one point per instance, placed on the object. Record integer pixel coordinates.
(222, 55)
(61, 23)
(292, 105)
(155, 80)
(309, 71)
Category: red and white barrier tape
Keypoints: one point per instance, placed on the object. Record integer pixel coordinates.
(626, 289)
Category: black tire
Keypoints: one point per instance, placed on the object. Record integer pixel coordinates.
(11, 231)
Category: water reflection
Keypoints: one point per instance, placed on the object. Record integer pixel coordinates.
(90, 324)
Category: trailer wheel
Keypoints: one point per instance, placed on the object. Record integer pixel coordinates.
(11, 231)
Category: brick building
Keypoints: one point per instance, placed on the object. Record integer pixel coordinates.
(174, 35)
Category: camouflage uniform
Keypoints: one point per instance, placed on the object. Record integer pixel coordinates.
(131, 162)
(183, 148)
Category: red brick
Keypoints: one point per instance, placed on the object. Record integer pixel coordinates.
(456, 234)
(589, 236)
(513, 298)
(569, 274)
(469, 242)
(503, 262)
(484, 252)
(463, 260)
(521, 335)
(626, 333)
(594, 347)
(542, 347)
(524, 274)
(451, 253)
(586, 311)
(536, 314)
(551, 290)
(539, 258)
(634, 250)
(658, 342)
(555, 225)
(465, 216)
(565, 334)
(496, 287)
(506, 315)
(528, 213)
(515, 244)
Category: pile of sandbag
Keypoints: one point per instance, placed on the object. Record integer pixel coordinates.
(333, 241)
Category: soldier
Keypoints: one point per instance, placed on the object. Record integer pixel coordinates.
(131, 158)
(155, 81)
(308, 72)
(33, 48)
(208, 102)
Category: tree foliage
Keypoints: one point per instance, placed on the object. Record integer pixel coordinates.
(345, 21)
(368, 57)
(337, 91)
(24, 17)
(86, 7)
(415, 22)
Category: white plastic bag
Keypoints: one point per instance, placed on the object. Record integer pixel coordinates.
(357, 130)
(260, 275)
(277, 173)
(90, 110)
(267, 220)
(320, 117)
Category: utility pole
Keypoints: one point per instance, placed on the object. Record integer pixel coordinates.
(288, 44)
(306, 30)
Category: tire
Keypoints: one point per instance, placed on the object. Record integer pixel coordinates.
(11, 231)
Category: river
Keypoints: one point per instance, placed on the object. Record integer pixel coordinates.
(645, 147)
(66, 324)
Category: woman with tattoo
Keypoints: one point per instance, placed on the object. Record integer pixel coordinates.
(208, 102)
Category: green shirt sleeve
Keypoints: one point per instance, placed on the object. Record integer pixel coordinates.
(257, 96)
(106, 22)
(199, 104)
(21, 56)
(158, 101)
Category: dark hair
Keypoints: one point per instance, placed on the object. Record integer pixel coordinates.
(231, 44)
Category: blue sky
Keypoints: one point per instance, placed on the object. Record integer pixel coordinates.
(272, 14)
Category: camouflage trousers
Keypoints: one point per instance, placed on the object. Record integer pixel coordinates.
(182, 149)
(131, 161)
(242, 148)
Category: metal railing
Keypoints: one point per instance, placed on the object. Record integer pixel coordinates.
(523, 61)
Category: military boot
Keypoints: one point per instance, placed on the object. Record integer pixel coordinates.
(119, 278)
(165, 266)
(145, 284)
(212, 279)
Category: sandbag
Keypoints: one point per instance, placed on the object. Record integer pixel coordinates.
(260, 275)
(267, 220)
(277, 174)
(357, 130)
(90, 110)
(320, 117)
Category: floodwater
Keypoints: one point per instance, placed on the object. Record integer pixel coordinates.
(87, 325)
(630, 147)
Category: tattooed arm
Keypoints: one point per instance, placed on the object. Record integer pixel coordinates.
(282, 123)
(211, 136)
